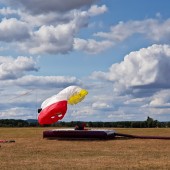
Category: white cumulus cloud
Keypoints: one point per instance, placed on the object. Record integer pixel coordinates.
(96, 10)
(91, 46)
(145, 68)
(13, 30)
(153, 29)
(12, 68)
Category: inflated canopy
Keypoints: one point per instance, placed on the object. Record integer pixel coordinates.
(55, 107)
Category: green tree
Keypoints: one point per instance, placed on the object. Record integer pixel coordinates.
(151, 122)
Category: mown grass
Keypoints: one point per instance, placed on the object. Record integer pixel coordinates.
(31, 151)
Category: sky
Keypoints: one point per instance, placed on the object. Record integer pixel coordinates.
(119, 51)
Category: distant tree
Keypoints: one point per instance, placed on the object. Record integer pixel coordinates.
(151, 122)
(135, 124)
(168, 124)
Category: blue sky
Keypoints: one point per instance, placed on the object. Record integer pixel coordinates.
(118, 50)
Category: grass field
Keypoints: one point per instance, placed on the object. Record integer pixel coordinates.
(31, 151)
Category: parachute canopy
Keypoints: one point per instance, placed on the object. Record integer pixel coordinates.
(55, 107)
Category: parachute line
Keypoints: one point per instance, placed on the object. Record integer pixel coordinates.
(142, 137)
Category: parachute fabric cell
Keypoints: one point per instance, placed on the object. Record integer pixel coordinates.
(77, 97)
(53, 113)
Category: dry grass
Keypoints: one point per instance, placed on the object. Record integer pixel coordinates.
(31, 151)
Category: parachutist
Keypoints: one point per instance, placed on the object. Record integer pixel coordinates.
(39, 110)
(80, 126)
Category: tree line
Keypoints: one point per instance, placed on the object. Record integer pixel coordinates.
(148, 123)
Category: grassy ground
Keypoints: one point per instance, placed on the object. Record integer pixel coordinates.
(31, 151)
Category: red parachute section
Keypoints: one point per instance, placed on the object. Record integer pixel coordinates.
(53, 113)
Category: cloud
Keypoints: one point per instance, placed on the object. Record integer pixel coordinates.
(57, 27)
(59, 38)
(13, 30)
(53, 32)
(43, 82)
(7, 11)
(56, 38)
(102, 102)
(14, 73)
(40, 6)
(17, 113)
(51, 18)
(13, 68)
(50, 39)
(145, 69)
(91, 46)
(153, 29)
(136, 102)
(95, 10)
(52, 81)
(160, 100)
(100, 105)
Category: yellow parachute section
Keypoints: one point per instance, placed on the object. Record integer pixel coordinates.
(77, 97)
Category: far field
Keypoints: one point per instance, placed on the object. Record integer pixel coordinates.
(32, 152)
